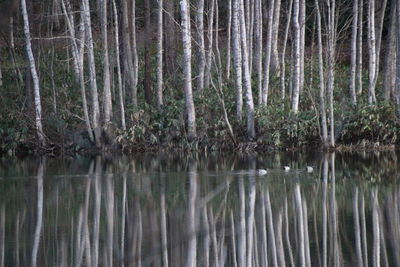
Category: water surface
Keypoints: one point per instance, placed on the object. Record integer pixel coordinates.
(201, 210)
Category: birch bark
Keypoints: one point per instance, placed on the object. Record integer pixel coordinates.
(354, 54)
(187, 57)
(35, 77)
(268, 47)
(237, 59)
(201, 48)
(371, 52)
(297, 60)
(160, 55)
(92, 73)
(106, 65)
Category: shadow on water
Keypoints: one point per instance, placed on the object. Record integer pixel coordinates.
(201, 210)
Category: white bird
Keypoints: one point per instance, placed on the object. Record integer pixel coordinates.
(262, 172)
(286, 168)
(309, 169)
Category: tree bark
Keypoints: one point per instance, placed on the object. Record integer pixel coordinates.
(210, 36)
(398, 59)
(268, 47)
(160, 55)
(258, 47)
(371, 52)
(35, 77)
(147, 62)
(106, 66)
(331, 65)
(187, 57)
(251, 134)
(201, 56)
(354, 54)
(360, 47)
(275, 60)
(134, 54)
(119, 75)
(283, 59)
(228, 41)
(297, 60)
(389, 76)
(324, 128)
(92, 73)
(237, 59)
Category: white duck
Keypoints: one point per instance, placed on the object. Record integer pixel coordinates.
(286, 168)
(309, 169)
(261, 172)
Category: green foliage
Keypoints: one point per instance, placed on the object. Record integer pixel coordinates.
(279, 127)
(372, 123)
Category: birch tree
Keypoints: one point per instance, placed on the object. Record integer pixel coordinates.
(119, 75)
(201, 56)
(251, 134)
(398, 58)
(371, 52)
(147, 62)
(210, 37)
(297, 60)
(331, 29)
(133, 48)
(92, 73)
(237, 58)
(268, 47)
(106, 65)
(354, 53)
(228, 40)
(35, 76)
(389, 75)
(360, 47)
(283, 56)
(275, 59)
(160, 54)
(187, 69)
(324, 128)
(258, 47)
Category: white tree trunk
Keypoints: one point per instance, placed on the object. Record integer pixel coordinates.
(237, 59)
(389, 76)
(360, 47)
(324, 128)
(297, 60)
(258, 47)
(228, 40)
(372, 52)
(250, 220)
(35, 77)
(192, 195)
(107, 103)
(119, 75)
(302, 22)
(135, 58)
(354, 54)
(283, 59)
(187, 59)
(275, 60)
(160, 54)
(247, 79)
(210, 36)
(268, 47)
(201, 56)
(331, 65)
(92, 73)
(398, 59)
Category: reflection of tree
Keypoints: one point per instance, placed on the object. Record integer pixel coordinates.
(39, 214)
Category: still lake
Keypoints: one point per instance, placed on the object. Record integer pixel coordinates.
(201, 210)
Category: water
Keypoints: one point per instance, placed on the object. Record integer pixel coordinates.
(209, 210)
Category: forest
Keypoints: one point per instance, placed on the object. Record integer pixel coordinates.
(139, 75)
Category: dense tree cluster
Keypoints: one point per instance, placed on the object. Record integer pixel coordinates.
(264, 51)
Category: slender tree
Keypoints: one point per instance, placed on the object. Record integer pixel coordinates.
(147, 62)
(251, 134)
(268, 47)
(275, 59)
(160, 54)
(360, 47)
(297, 60)
(187, 59)
(398, 59)
(258, 47)
(324, 128)
(237, 59)
(283, 57)
(201, 56)
(210, 39)
(354, 53)
(92, 73)
(228, 40)
(371, 52)
(107, 103)
(389, 75)
(119, 74)
(34, 74)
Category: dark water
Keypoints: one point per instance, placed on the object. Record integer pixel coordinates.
(201, 210)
